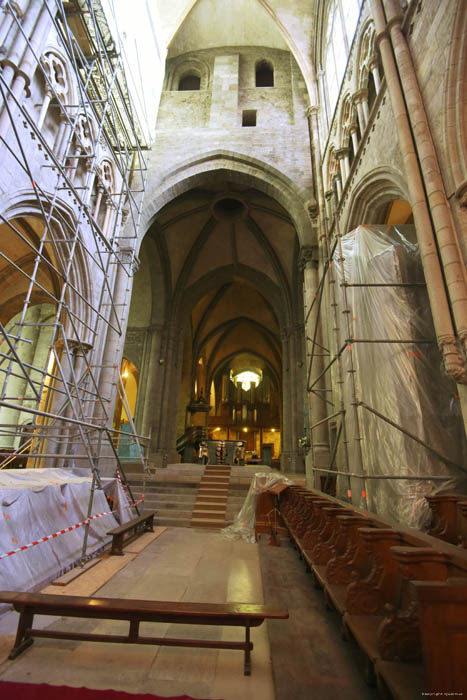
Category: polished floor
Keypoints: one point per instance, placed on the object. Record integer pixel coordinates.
(309, 661)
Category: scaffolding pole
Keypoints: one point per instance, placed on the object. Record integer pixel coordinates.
(82, 154)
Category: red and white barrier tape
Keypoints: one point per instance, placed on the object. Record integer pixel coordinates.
(65, 530)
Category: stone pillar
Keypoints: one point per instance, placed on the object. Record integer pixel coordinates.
(337, 187)
(344, 164)
(15, 386)
(292, 399)
(353, 135)
(373, 66)
(360, 99)
(453, 362)
(318, 457)
(111, 357)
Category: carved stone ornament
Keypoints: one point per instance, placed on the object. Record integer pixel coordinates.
(55, 71)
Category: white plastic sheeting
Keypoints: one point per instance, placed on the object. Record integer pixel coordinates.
(402, 381)
(35, 503)
(243, 527)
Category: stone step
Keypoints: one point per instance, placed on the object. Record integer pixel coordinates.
(214, 499)
(212, 507)
(173, 522)
(173, 514)
(207, 521)
(215, 480)
(212, 492)
(164, 503)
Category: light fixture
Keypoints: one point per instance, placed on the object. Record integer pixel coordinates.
(273, 430)
(125, 374)
(246, 379)
(245, 430)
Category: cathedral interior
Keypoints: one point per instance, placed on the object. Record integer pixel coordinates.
(234, 306)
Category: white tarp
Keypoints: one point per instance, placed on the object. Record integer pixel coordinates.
(399, 379)
(243, 527)
(35, 503)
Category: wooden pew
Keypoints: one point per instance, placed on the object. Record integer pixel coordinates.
(443, 624)
(144, 523)
(367, 577)
(137, 611)
(445, 523)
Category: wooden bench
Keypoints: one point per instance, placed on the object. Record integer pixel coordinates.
(144, 523)
(135, 611)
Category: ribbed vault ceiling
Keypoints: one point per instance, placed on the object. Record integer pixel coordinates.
(229, 255)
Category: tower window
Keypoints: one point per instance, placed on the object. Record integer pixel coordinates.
(264, 74)
(249, 117)
(189, 82)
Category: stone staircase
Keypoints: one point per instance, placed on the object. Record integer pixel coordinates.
(210, 508)
(182, 492)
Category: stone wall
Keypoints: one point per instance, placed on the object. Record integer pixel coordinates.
(193, 122)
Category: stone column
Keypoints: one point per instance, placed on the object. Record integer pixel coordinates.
(111, 357)
(360, 99)
(373, 66)
(292, 401)
(318, 457)
(344, 164)
(453, 362)
(337, 188)
(353, 135)
(15, 386)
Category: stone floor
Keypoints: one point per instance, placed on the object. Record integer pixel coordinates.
(309, 660)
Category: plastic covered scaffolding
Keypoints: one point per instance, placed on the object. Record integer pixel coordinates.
(400, 434)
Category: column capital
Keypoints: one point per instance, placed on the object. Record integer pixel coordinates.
(311, 110)
(373, 61)
(342, 153)
(360, 95)
(307, 256)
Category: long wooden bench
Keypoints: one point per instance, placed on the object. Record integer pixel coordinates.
(136, 611)
(143, 523)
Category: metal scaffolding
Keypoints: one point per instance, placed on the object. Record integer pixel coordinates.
(80, 222)
(334, 381)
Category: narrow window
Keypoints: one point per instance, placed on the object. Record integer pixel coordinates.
(264, 74)
(249, 117)
(189, 82)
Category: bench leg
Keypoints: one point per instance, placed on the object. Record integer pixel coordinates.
(248, 648)
(117, 545)
(22, 641)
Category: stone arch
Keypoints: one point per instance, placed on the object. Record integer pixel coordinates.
(239, 168)
(188, 65)
(61, 219)
(376, 189)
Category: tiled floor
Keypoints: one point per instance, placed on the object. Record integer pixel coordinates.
(310, 661)
(182, 564)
